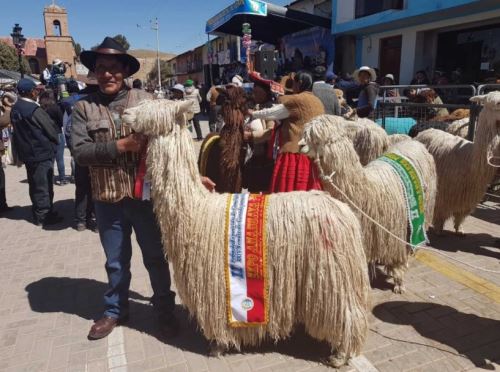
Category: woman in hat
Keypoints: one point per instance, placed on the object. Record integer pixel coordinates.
(258, 169)
(367, 98)
(293, 171)
(392, 94)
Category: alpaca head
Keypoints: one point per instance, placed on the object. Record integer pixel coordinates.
(488, 128)
(321, 131)
(491, 110)
(157, 117)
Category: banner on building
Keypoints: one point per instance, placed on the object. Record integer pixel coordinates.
(308, 48)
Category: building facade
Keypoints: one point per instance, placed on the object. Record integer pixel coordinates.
(56, 44)
(58, 41)
(404, 36)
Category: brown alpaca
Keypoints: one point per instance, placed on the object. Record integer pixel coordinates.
(222, 155)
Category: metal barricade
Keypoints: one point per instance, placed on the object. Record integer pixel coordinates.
(486, 88)
(396, 113)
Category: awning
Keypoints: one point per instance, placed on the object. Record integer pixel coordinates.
(269, 22)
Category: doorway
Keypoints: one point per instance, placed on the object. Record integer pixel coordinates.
(390, 56)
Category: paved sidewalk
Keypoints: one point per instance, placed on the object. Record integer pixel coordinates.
(52, 284)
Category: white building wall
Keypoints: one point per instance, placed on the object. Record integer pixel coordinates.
(418, 52)
(345, 11)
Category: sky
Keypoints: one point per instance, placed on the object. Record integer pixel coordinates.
(182, 22)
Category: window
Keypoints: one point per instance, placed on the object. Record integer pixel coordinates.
(56, 28)
(367, 7)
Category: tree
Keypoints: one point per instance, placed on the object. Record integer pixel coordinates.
(166, 72)
(9, 59)
(122, 40)
(78, 49)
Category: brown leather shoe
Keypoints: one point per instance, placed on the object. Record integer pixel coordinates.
(102, 327)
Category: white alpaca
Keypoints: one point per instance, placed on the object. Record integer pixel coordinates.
(375, 189)
(370, 140)
(462, 166)
(316, 269)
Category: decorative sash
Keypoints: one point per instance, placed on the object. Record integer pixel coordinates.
(414, 195)
(142, 186)
(246, 260)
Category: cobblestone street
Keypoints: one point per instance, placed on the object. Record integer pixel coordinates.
(52, 283)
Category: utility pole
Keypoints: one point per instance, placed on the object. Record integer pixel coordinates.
(157, 28)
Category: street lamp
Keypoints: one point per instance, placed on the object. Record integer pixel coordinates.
(19, 42)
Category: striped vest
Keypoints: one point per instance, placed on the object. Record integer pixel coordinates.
(113, 181)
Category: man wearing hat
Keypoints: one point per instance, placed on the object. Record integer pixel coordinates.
(367, 99)
(102, 141)
(36, 139)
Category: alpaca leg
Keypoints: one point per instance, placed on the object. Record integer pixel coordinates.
(458, 220)
(397, 273)
(438, 226)
(216, 350)
(337, 359)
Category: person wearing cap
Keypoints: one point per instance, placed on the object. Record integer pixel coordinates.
(36, 139)
(367, 98)
(178, 92)
(111, 150)
(325, 92)
(191, 93)
(7, 100)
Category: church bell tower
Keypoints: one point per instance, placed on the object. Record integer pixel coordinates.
(58, 41)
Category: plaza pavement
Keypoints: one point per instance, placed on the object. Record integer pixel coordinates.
(52, 281)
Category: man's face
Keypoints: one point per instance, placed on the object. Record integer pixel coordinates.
(110, 73)
(364, 77)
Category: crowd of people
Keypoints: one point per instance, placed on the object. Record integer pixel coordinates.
(111, 196)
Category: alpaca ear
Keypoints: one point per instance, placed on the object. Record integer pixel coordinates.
(479, 99)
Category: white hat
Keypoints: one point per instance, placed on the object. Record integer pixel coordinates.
(237, 80)
(389, 76)
(178, 87)
(370, 70)
(57, 62)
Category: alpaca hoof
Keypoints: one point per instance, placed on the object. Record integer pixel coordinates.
(399, 289)
(216, 351)
(460, 232)
(337, 360)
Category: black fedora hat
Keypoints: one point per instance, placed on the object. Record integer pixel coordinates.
(109, 47)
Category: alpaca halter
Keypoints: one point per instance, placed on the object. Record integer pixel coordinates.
(490, 163)
(329, 179)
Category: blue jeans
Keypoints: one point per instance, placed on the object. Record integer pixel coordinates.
(115, 222)
(60, 158)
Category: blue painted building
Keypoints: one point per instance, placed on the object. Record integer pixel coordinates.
(404, 36)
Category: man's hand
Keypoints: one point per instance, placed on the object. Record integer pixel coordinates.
(132, 143)
(208, 183)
